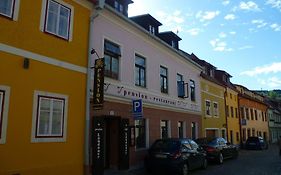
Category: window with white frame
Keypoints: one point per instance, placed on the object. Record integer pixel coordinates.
(112, 54)
(7, 8)
(164, 79)
(49, 117)
(4, 108)
(216, 109)
(140, 71)
(164, 129)
(192, 90)
(208, 107)
(58, 19)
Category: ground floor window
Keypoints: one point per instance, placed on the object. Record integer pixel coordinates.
(140, 133)
(180, 129)
(244, 134)
(223, 133)
(49, 120)
(4, 108)
(193, 130)
(164, 128)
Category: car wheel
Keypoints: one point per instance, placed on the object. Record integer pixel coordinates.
(205, 164)
(184, 169)
(220, 158)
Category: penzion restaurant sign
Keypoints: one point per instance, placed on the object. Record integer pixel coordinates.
(98, 83)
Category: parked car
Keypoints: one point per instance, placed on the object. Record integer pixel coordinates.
(218, 149)
(256, 143)
(175, 156)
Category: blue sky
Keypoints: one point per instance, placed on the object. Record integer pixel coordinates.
(241, 37)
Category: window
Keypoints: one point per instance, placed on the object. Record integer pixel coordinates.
(49, 117)
(242, 112)
(164, 128)
(193, 130)
(237, 136)
(256, 115)
(140, 78)
(180, 129)
(180, 85)
(58, 19)
(232, 112)
(252, 114)
(164, 79)
(208, 107)
(247, 114)
(173, 44)
(248, 133)
(119, 7)
(236, 112)
(152, 29)
(7, 7)
(4, 108)
(192, 90)
(140, 133)
(216, 109)
(244, 134)
(223, 133)
(111, 59)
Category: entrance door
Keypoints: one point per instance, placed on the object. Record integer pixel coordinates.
(124, 156)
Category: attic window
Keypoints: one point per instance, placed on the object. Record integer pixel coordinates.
(173, 44)
(152, 29)
(118, 6)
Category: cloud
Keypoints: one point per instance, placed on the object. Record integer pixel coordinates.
(219, 46)
(207, 16)
(229, 17)
(222, 35)
(259, 22)
(274, 4)
(232, 32)
(276, 27)
(170, 19)
(249, 6)
(225, 2)
(194, 31)
(266, 69)
(272, 82)
(245, 47)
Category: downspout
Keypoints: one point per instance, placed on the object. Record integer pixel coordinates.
(226, 113)
(87, 139)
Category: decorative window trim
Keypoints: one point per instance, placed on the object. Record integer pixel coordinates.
(43, 20)
(4, 112)
(14, 11)
(35, 138)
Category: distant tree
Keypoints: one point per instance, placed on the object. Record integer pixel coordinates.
(273, 94)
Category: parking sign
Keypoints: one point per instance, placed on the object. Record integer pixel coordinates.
(137, 108)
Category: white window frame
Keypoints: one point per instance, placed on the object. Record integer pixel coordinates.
(216, 110)
(48, 138)
(44, 19)
(208, 109)
(4, 109)
(14, 10)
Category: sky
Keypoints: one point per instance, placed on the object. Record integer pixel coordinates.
(242, 38)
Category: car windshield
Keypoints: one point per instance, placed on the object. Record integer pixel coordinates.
(251, 139)
(165, 146)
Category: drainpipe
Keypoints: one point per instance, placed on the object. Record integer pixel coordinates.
(87, 139)
(226, 113)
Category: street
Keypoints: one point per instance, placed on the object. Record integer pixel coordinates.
(249, 162)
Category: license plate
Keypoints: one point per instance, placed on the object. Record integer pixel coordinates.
(162, 156)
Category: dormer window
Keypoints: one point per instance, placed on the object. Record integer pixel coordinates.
(152, 29)
(119, 7)
(173, 44)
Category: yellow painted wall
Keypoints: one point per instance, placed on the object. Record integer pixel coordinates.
(233, 122)
(214, 93)
(19, 154)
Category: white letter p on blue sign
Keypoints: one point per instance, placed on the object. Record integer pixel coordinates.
(137, 108)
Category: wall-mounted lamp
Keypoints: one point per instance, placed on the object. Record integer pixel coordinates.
(25, 63)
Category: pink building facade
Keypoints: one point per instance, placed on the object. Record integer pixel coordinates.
(141, 66)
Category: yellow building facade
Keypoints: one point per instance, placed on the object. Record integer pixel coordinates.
(232, 115)
(213, 109)
(43, 68)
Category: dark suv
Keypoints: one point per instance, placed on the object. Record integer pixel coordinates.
(175, 156)
(256, 143)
